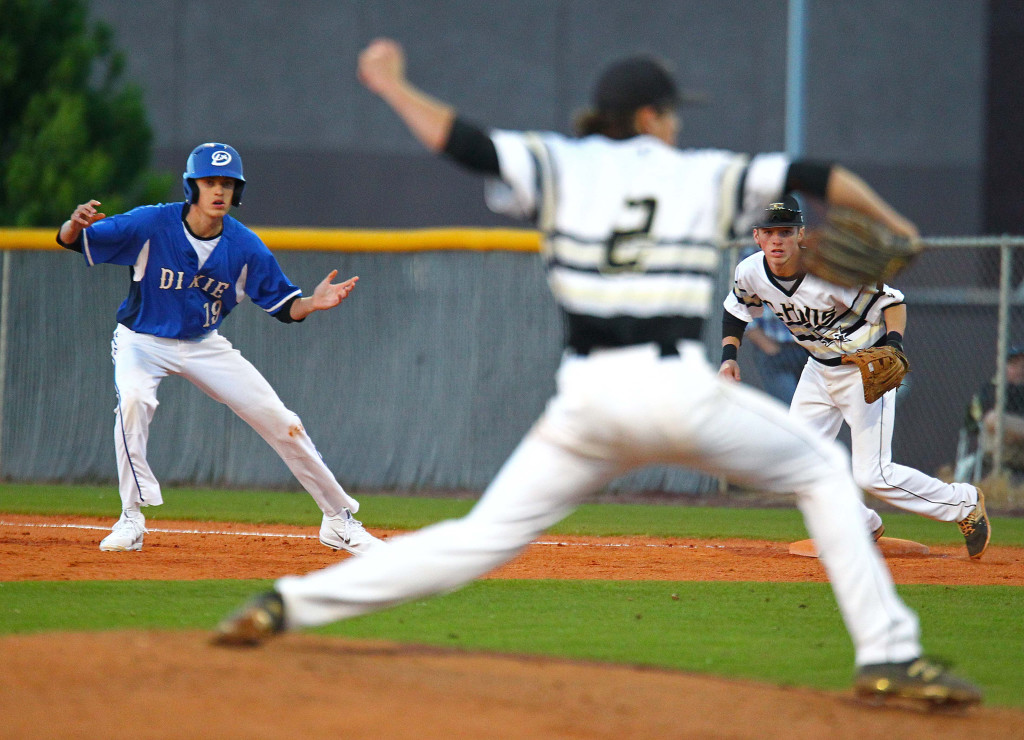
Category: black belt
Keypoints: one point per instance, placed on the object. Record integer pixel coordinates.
(587, 334)
(665, 350)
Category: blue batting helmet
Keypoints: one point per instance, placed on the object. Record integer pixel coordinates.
(213, 160)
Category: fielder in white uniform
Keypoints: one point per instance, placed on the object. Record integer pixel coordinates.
(629, 224)
(830, 321)
(190, 265)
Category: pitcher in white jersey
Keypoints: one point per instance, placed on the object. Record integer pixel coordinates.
(831, 321)
(191, 264)
(629, 224)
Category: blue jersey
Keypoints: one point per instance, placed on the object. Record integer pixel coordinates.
(170, 295)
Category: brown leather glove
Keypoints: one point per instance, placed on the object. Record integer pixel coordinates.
(881, 369)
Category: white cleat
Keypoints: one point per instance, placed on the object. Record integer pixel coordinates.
(126, 535)
(343, 532)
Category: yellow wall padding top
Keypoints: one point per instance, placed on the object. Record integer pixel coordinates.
(340, 240)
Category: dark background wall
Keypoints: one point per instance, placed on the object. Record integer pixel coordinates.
(897, 91)
(1004, 124)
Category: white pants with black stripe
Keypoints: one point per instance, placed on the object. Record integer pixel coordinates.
(614, 411)
(826, 397)
(214, 366)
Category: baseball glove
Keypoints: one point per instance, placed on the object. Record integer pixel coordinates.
(881, 369)
(851, 249)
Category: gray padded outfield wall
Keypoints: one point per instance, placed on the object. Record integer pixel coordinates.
(424, 379)
(419, 380)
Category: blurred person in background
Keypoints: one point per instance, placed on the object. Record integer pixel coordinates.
(982, 416)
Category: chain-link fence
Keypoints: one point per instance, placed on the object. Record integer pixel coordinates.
(960, 412)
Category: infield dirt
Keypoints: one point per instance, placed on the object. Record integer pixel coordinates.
(174, 685)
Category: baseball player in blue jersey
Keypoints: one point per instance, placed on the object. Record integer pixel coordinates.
(629, 227)
(191, 264)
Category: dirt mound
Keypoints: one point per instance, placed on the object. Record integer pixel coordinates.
(174, 685)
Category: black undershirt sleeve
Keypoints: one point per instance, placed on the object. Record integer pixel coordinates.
(808, 176)
(284, 314)
(732, 326)
(472, 148)
(75, 246)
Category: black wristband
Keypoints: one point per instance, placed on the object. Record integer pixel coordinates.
(729, 352)
(75, 246)
(894, 339)
(284, 314)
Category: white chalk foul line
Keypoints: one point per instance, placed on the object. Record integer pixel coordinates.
(553, 543)
(160, 529)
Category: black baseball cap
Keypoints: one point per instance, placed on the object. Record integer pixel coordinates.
(637, 81)
(778, 215)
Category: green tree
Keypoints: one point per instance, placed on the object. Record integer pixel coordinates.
(69, 129)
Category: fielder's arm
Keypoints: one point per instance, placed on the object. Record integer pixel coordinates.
(732, 336)
(895, 324)
(762, 341)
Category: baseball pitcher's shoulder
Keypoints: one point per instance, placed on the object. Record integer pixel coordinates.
(708, 153)
(708, 162)
(547, 138)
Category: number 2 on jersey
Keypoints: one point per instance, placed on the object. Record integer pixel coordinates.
(625, 247)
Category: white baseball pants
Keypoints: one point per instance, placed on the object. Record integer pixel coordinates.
(826, 396)
(614, 411)
(141, 361)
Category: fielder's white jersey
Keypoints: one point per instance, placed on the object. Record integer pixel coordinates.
(828, 320)
(630, 227)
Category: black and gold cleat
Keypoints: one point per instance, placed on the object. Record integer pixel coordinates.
(976, 530)
(257, 620)
(918, 680)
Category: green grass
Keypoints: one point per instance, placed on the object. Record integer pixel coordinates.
(784, 633)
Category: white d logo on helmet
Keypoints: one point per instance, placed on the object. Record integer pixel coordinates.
(219, 159)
